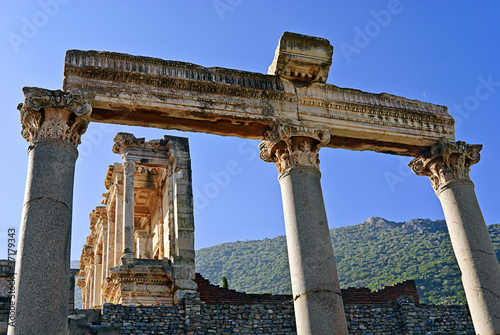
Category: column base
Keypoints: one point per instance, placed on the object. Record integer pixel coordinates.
(128, 258)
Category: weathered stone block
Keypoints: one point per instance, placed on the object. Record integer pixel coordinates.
(302, 58)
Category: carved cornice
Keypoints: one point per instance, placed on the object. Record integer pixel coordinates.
(123, 141)
(446, 161)
(149, 274)
(153, 153)
(80, 283)
(184, 76)
(111, 66)
(289, 145)
(386, 105)
(399, 113)
(54, 114)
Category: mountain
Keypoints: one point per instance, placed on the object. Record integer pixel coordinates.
(373, 254)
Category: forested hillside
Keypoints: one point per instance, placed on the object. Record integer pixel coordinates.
(373, 254)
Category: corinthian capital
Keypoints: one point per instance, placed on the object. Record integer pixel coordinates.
(446, 161)
(54, 114)
(290, 145)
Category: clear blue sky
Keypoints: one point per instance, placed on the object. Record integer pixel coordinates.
(440, 52)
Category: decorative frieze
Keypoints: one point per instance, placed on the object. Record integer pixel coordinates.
(54, 114)
(446, 161)
(188, 97)
(289, 145)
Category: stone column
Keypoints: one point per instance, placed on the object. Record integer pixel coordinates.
(91, 287)
(128, 211)
(118, 221)
(316, 290)
(72, 279)
(141, 238)
(52, 122)
(447, 164)
(97, 281)
(104, 255)
(111, 243)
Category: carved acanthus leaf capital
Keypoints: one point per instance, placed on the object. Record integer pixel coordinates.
(54, 114)
(446, 161)
(290, 145)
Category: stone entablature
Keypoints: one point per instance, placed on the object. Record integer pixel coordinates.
(183, 96)
(161, 267)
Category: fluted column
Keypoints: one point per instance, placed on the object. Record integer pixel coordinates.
(52, 122)
(316, 290)
(97, 281)
(110, 243)
(104, 255)
(91, 287)
(119, 220)
(128, 211)
(447, 164)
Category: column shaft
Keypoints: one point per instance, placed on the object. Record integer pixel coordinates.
(97, 285)
(316, 291)
(104, 255)
(128, 210)
(318, 303)
(447, 164)
(43, 261)
(92, 287)
(475, 254)
(119, 226)
(111, 244)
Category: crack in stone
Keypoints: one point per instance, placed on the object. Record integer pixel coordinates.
(488, 290)
(48, 198)
(316, 291)
(482, 251)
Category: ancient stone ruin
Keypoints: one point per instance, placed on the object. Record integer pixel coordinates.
(293, 112)
(141, 247)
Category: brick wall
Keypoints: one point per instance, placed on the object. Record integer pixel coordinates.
(363, 296)
(213, 294)
(216, 295)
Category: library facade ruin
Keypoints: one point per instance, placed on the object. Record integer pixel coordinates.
(292, 111)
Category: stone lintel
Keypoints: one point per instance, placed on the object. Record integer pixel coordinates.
(302, 58)
(142, 91)
(150, 153)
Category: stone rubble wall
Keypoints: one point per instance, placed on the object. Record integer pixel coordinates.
(194, 316)
(406, 317)
(4, 314)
